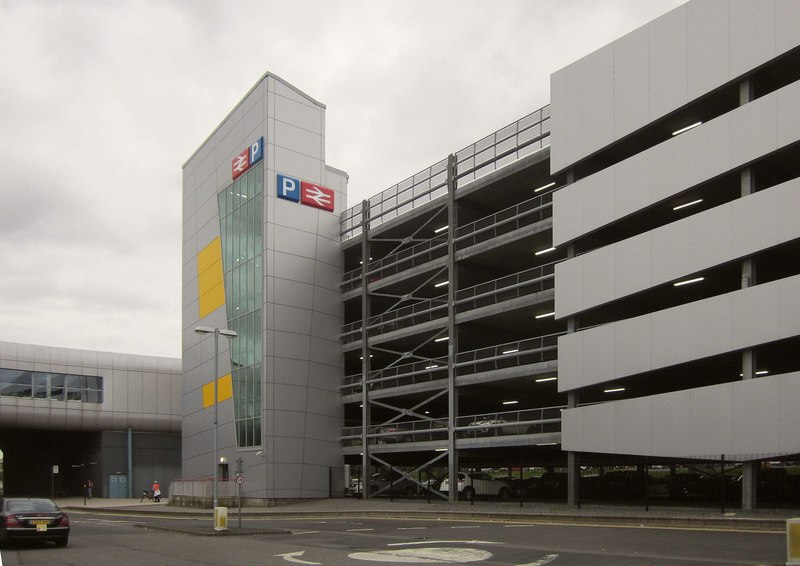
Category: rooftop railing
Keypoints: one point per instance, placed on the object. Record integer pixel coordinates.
(511, 143)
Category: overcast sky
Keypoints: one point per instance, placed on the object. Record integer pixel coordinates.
(101, 103)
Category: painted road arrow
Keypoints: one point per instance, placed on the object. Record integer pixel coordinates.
(293, 557)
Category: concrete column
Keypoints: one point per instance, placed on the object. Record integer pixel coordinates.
(749, 469)
(573, 463)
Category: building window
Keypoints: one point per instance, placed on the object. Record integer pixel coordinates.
(240, 218)
(50, 386)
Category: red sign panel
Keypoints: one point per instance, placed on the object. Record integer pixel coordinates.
(316, 196)
(240, 163)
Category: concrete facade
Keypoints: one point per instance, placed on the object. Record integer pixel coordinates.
(297, 360)
(680, 144)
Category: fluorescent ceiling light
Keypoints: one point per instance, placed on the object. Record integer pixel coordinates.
(546, 443)
(432, 366)
(680, 206)
(686, 129)
(545, 315)
(441, 450)
(688, 281)
(442, 284)
(540, 252)
(443, 339)
(362, 357)
(614, 390)
(510, 402)
(547, 186)
(760, 372)
(543, 379)
(514, 351)
(442, 229)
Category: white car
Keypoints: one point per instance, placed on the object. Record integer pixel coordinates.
(478, 483)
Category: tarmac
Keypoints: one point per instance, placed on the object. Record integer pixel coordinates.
(773, 520)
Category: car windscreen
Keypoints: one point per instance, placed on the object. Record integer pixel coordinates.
(30, 505)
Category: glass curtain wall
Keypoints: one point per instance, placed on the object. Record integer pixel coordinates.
(240, 213)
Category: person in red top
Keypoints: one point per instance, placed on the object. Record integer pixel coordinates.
(156, 491)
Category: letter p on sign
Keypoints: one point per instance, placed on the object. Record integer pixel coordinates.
(288, 188)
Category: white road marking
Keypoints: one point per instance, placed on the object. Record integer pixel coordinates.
(418, 542)
(304, 532)
(293, 557)
(358, 530)
(411, 528)
(547, 559)
(441, 555)
(467, 527)
(517, 526)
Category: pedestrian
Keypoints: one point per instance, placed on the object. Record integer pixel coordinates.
(89, 488)
(156, 491)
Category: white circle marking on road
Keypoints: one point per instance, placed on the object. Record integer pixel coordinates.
(440, 555)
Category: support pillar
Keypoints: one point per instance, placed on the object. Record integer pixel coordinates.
(365, 365)
(452, 333)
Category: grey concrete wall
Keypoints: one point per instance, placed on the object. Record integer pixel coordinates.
(661, 66)
(139, 392)
(663, 171)
(301, 306)
(720, 324)
(710, 238)
(744, 420)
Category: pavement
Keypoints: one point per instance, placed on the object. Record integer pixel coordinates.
(505, 511)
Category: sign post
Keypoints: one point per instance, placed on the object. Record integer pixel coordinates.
(239, 482)
(53, 482)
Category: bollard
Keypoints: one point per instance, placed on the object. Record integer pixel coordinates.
(792, 541)
(220, 518)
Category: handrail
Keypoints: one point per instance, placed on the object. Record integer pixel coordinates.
(523, 421)
(508, 144)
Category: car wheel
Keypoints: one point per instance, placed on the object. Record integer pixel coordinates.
(62, 541)
(505, 493)
(468, 493)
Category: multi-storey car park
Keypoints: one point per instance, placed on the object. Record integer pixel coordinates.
(606, 290)
(600, 301)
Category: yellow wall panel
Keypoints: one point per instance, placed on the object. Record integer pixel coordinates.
(208, 395)
(210, 286)
(224, 391)
(225, 387)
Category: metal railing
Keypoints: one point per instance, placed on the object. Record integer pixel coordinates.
(512, 218)
(508, 355)
(509, 423)
(396, 376)
(420, 253)
(404, 317)
(506, 288)
(511, 143)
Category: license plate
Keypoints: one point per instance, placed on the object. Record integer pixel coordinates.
(41, 526)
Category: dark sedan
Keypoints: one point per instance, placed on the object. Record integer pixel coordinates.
(32, 519)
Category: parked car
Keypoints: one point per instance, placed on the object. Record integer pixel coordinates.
(32, 519)
(475, 484)
(380, 483)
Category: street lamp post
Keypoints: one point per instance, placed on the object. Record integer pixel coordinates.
(230, 334)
